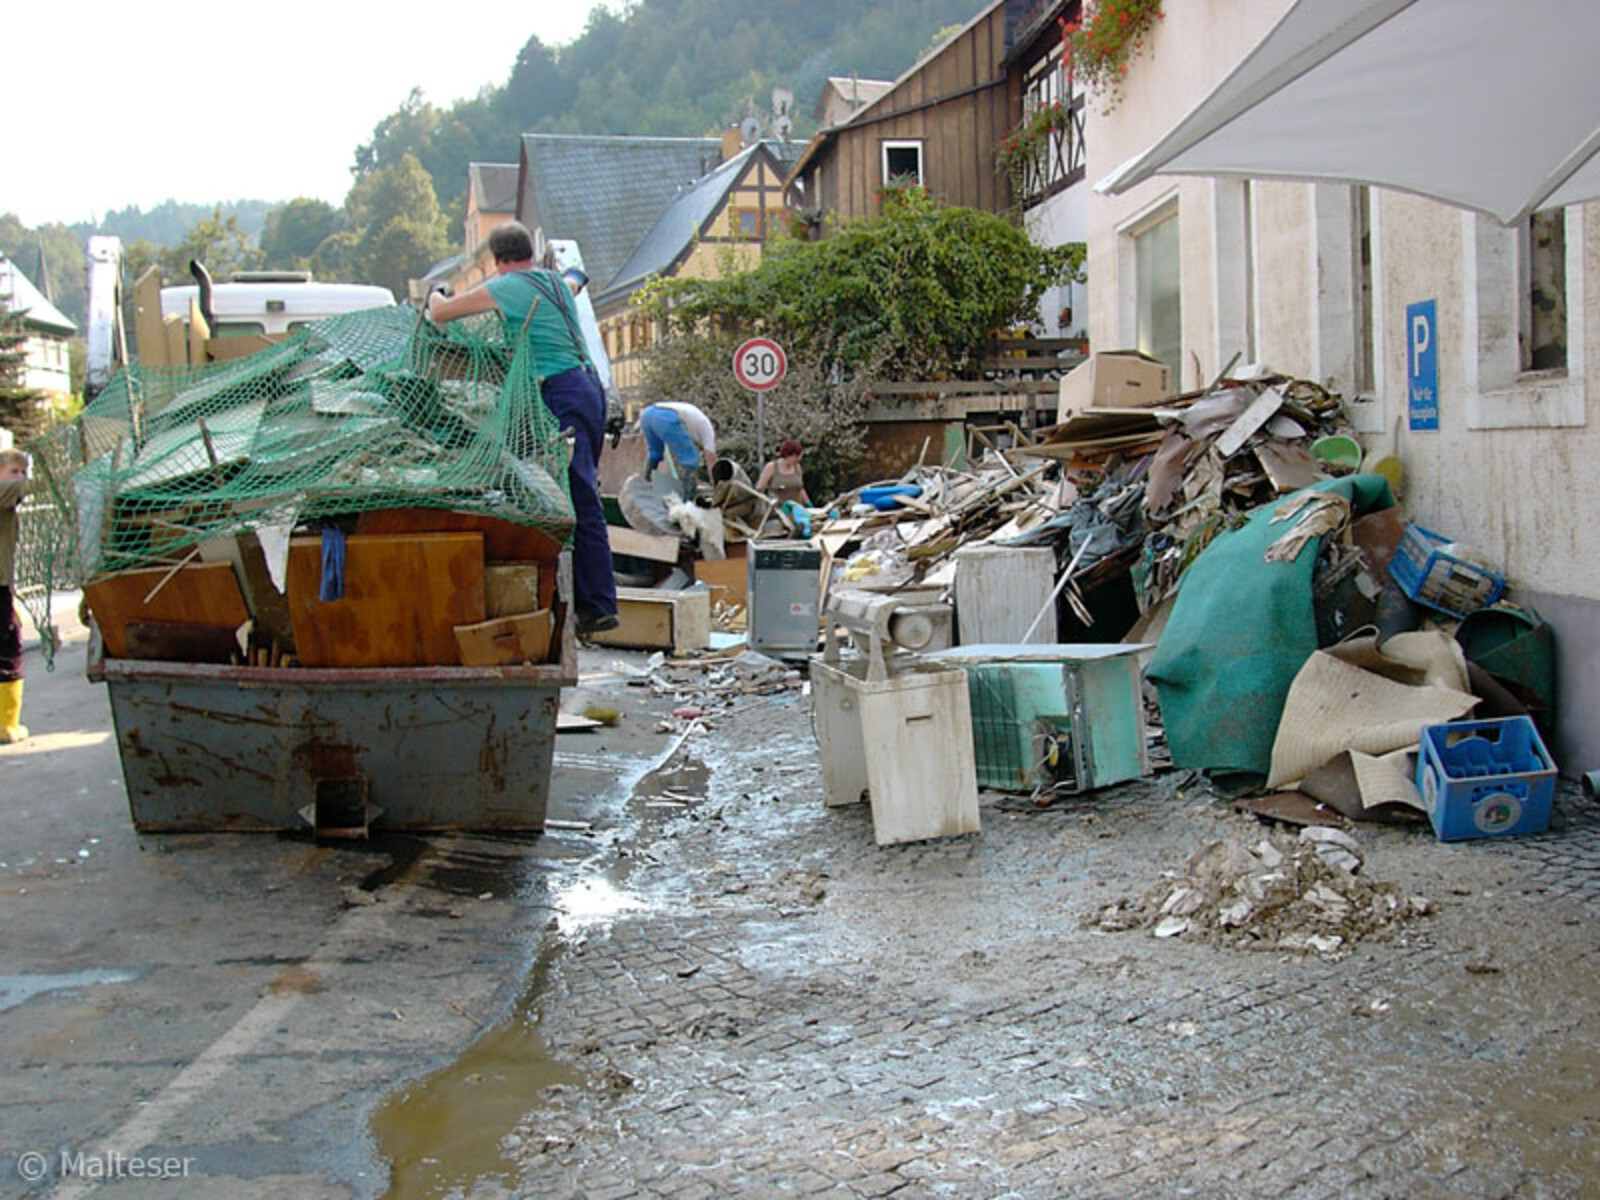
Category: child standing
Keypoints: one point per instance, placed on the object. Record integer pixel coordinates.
(13, 485)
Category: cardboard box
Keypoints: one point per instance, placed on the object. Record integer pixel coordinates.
(1114, 379)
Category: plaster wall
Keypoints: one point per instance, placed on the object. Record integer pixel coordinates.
(1284, 282)
(1187, 54)
(1059, 220)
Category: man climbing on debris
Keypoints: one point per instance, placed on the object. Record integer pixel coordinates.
(13, 485)
(538, 304)
(686, 431)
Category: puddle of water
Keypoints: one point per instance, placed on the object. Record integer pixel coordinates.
(441, 1134)
(18, 989)
(590, 901)
(688, 781)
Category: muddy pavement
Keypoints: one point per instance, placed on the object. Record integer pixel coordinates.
(704, 983)
(743, 995)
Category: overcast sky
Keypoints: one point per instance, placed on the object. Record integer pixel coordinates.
(108, 105)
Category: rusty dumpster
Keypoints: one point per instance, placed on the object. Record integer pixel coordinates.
(236, 748)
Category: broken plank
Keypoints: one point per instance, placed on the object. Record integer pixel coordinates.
(653, 546)
(1249, 422)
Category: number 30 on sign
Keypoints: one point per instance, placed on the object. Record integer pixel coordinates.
(759, 364)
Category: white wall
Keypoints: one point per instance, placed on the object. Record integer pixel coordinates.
(1059, 220)
(1268, 266)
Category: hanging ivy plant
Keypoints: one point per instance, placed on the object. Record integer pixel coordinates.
(1099, 46)
(1023, 147)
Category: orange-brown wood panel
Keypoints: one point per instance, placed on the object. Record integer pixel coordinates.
(403, 597)
(503, 541)
(203, 594)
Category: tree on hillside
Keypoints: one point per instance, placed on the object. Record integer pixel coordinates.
(407, 130)
(63, 252)
(537, 90)
(664, 67)
(219, 243)
(399, 229)
(294, 231)
(21, 408)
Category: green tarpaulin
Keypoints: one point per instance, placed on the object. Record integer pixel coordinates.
(1240, 630)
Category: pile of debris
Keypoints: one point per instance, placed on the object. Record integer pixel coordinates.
(1125, 494)
(1301, 896)
(710, 687)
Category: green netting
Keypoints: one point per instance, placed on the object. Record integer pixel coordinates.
(373, 409)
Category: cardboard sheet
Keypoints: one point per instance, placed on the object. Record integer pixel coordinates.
(1334, 706)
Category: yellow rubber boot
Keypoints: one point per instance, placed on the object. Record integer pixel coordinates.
(11, 727)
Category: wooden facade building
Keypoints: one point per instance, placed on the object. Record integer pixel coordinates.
(940, 123)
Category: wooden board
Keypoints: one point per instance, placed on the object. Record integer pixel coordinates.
(503, 541)
(512, 588)
(506, 641)
(198, 594)
(655, 547)
(728, 578)
(166, 641)
(403, 597)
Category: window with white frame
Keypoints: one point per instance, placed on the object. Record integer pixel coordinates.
(902, 163)
(1158, 307)
(1523, 358)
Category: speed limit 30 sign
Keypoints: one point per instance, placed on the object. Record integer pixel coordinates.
(759, 364)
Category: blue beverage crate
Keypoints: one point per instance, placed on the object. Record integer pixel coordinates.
(1485, 778)
(1440, 580)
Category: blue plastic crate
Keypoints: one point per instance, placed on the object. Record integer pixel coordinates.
(1485, 778)
(1440, 580)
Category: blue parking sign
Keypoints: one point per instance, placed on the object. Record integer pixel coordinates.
(1422, 364)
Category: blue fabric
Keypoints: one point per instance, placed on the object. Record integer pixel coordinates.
(332, 565)
(798, 517)
(579, 404)
(663, 431)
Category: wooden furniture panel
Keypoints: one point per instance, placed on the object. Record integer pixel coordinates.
(403, 597)
(503, 541)
(199, 594)
(506, 641)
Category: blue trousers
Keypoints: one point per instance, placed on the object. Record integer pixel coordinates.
(578, 402)
(664, 431)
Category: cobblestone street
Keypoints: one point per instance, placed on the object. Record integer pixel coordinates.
(764, 1002)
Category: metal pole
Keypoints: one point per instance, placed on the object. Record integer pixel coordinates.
(761, 428)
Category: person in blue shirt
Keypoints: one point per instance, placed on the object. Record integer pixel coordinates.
(571, 391)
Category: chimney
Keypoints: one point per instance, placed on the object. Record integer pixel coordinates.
(732, 142)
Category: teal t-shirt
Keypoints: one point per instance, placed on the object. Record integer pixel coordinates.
(549, 335)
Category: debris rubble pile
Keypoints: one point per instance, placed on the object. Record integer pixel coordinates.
(1299, 896)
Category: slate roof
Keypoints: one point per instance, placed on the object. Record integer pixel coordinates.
(682, 221)
(494, 185)
(443, 268)
(605, 192)
(20, 295)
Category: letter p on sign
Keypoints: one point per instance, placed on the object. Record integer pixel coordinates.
(1421, 338)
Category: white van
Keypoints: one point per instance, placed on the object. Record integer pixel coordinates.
(273, 303)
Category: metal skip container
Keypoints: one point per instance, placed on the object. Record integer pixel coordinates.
(209, 748)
